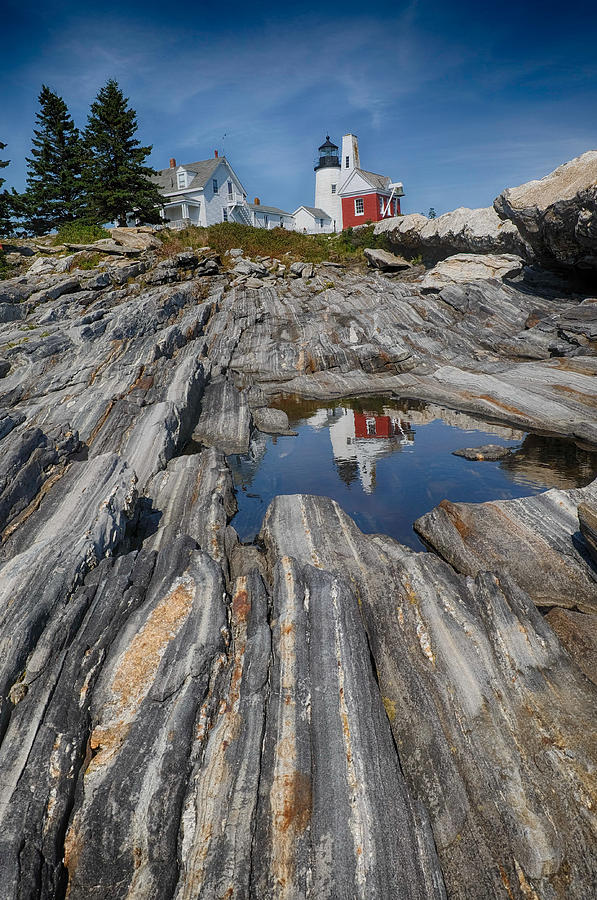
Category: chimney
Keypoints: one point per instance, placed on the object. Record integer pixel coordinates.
(350, 152)
(216, 154)
(172, 163)
(257, 201)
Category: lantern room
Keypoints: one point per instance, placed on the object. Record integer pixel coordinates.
(328, 155)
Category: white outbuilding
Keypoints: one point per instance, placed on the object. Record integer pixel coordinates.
(312, 220)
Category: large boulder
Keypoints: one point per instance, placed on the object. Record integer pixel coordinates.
(387, 262)
(557, 214)
(466, 267)
(141, 238)
(460, 231)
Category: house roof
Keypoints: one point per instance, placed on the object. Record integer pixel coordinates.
(203, 170)
(377, 182)
(269, 209)
(315, 212)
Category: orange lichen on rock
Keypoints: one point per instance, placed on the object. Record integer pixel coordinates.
(138, 668)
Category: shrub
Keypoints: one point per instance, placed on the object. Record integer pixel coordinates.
(80, 233)
(89, 261)
(279, 243)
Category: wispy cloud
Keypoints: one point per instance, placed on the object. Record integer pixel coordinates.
(439, 99)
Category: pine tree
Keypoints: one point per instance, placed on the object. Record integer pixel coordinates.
(5, 208)
(54, 192)
(116, 179)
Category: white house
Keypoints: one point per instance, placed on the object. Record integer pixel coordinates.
(202, 193)
(313, 220)
(270, 216)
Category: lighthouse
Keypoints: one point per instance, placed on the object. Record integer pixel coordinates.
(327, 183)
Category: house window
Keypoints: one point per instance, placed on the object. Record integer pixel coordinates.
(370, 426)
(321, 223)
(266, 220)
(333, 189)
(182, 179)
(224, 215)
(382, 203)
(347, 162)
(230, 189)
(215, 185)
(359, 207)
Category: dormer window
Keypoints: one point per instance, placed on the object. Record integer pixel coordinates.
(182, 180)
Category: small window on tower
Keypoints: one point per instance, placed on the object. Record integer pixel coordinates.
(215, 185)
(347, 161)
(333, 189)
(359, 207)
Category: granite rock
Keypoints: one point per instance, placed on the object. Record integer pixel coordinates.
(557, 214)
(460, 231)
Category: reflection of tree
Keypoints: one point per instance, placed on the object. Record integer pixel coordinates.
(551, 461)
(244, 466)
(348, 470)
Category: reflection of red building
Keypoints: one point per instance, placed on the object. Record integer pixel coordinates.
(367, 425)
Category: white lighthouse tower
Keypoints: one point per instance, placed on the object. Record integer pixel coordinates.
(327, 183)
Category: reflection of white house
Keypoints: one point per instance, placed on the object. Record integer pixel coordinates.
(202, 193)
(357, 439)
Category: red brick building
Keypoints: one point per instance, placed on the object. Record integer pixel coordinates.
(366, 196)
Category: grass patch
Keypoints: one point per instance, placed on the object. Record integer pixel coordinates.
(5, 271)
(278, 243)
(89, 261)
(79, 233)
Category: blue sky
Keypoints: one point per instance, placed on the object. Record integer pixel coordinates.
(458, 100)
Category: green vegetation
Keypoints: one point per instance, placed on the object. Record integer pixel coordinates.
(90, 261)
(54, 190)
(115, 176)
(4, 267)
(279, 243)
(353, 241)
(5, 223)
(94, 178)
(80, 233)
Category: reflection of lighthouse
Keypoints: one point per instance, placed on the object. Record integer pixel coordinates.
(360, 439)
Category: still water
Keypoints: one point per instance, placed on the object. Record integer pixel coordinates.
(387, 462)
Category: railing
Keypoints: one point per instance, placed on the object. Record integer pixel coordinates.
(178, 224)
(236, 200)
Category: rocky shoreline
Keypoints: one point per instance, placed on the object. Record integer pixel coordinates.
(322, 713)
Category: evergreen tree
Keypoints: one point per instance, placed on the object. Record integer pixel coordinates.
(54, 192)
(5, 206)
(116, 179)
